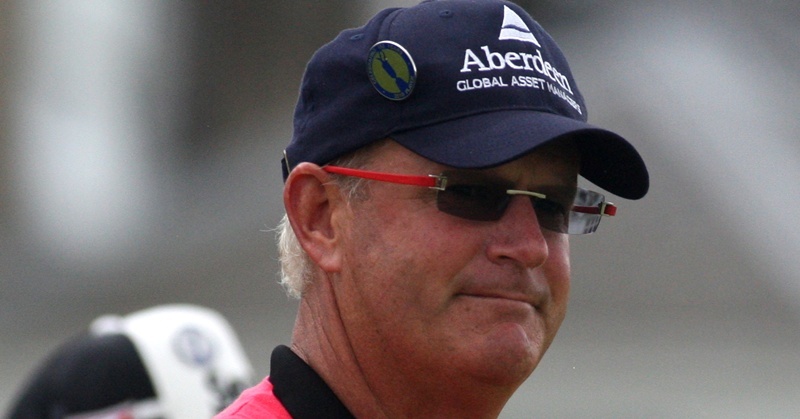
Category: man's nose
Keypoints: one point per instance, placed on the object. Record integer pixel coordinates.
(519, 236)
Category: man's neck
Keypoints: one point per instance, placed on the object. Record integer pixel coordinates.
(370, 384)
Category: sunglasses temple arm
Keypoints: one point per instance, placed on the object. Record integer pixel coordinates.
(427, 181)
(606, 208)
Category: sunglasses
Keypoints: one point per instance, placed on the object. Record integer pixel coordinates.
(478, 197)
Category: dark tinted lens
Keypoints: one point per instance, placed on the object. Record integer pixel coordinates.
(473, 198)
(551, 215)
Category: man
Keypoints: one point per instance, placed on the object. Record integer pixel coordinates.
(430, 188)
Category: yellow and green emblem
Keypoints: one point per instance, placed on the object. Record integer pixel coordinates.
(391, 70)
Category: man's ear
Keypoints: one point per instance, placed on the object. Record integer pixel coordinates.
(312, 206)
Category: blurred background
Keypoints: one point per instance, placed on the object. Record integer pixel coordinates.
(140, 144)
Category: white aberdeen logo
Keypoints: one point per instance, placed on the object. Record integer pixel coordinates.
(514, 28)
(515, 60)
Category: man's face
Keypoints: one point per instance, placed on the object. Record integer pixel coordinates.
(444, 297)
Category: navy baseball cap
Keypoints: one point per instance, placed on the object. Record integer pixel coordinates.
(464, 83)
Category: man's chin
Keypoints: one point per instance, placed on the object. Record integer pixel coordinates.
(508, 355)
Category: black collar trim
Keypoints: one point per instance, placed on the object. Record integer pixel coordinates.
(301, 390)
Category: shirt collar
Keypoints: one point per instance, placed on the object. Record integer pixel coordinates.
(301, 390)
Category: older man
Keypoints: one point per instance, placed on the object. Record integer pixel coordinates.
(430, 188)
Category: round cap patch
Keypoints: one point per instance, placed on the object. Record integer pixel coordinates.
(193, 347)
(391, 70)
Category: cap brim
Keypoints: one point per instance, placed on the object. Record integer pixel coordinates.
(494, 138)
